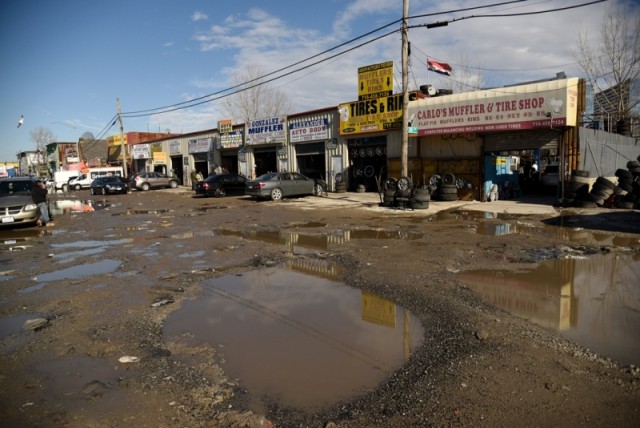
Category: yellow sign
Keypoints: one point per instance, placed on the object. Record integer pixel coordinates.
(375, 81)
(375, 115)
(159, 158)
(225, 126)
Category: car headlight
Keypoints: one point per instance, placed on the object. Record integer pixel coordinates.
(30, 207)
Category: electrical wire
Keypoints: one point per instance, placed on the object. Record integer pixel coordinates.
(217, 95)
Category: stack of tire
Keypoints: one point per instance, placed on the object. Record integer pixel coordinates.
(605, 193)
(448, 191)
(390, 186)
(341, 183)
(404, 192)
(421, 198)
(628, 196)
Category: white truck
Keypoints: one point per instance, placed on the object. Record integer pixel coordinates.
(83, 181)
(61, 179)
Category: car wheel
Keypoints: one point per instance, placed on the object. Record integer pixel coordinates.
(404, 183)
(276, 194)
(91, 191)
(219, 193)
(318, 190)
(173, 184)
(104, 191)
(78, 187)
(145, 186)
(65, 188)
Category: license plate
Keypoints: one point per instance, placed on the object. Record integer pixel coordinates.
(7, 219)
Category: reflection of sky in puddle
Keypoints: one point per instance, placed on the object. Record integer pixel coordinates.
(14, 324)
(593, 301)
(305, 341)
(81, 271)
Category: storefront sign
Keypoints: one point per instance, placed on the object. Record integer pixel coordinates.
(159, 158)
(265, 131)
(200, 145)
(225, 126)
(375, 81)
(542, 105)
(231, 140)
(371, 116)
(309, 130)
(174, 147)
(140, 151)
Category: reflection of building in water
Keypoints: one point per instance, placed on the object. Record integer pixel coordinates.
(316, 267)
(544, 295)
(377, 310)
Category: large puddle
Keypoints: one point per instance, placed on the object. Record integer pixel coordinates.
(593, 301)
(295, 336)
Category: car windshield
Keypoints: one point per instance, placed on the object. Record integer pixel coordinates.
(10, 187)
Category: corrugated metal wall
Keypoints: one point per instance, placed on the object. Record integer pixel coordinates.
(602, 153)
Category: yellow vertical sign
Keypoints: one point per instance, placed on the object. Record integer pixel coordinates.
(375, 81)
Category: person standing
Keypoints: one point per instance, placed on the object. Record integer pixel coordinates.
(39, 195)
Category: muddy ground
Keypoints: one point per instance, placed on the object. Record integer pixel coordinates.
(478, 365)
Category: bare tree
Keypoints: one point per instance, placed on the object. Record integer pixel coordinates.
(256, 99)
(613, 68)
(463, 78)
(42, 136)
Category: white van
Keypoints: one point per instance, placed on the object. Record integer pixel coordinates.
(61, 179)
(83, 181)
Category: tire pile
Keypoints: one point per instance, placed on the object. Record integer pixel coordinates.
(624, 194)
(403, 194)
(443, 188)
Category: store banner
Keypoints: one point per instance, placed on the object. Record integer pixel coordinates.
(308, 130)
(266, 131)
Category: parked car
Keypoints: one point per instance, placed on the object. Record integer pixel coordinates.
(277, 185)
(220, 185)
(16, 206)
(153, 180)
(550, 175)
(108, 185)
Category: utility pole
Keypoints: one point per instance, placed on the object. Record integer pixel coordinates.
(404, 150)
(124, 146)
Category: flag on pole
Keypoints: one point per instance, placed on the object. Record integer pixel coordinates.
(439, 67)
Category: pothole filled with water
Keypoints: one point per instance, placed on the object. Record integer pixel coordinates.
(294, 335)
(593, 301)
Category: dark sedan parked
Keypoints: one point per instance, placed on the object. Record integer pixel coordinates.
(221, 184)
(108, 185)
(277, 185)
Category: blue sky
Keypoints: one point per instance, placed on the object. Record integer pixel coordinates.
(65, 62)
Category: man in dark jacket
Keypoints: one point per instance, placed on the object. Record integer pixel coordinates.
(39, 195)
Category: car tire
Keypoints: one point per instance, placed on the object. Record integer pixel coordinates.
(276, 194)
(404, 183)
(219, 193)
(91, 191)
(65, 188)
(173, 184)
(77, 187)
(145, 186)
(318, 190)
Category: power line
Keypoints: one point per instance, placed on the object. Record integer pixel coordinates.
(242, 87)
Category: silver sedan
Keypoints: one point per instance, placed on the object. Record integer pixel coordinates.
(277, 185)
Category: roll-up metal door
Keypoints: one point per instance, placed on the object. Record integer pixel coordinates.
(528, 140)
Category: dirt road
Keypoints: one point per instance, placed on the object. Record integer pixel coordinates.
(106, 277)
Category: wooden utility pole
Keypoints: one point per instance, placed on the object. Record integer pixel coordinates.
(404, 150)
(122, 144)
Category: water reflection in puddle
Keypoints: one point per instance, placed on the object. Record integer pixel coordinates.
(299, 340)
(80, 271)
(593, 301)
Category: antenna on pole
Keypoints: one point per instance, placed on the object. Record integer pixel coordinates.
(122, 143)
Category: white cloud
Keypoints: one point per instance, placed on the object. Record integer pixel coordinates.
(199, 16)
